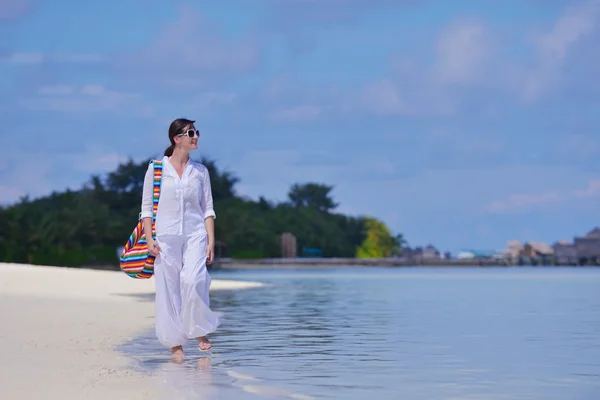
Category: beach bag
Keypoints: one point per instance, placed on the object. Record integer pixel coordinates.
(135, 259)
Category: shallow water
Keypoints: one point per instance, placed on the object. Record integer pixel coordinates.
(406, 333)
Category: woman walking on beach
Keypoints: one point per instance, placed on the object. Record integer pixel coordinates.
(184, 243)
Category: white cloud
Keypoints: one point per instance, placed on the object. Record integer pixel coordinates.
(96, 90)
(578, 22)
(25, 58)
(67, 90)
(462, 52)
(36, 58)
(210, 99)
(382, 98)
(468, 54)
(592, 190)
(524, 202)
(90, 98)
(296, 113)
(407, 94)
(518, 201)
(97, 162)
(77, 58)
(56, 90)
(284, 99)
(188, 54)
(13, 9)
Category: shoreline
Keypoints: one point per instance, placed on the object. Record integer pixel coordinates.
(63, 326)
(231, 263)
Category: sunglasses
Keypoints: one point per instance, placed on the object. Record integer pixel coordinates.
(190, 133)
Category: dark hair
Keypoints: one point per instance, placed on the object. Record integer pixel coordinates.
(175, 129)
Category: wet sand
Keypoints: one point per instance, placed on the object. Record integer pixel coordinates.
(59, 328)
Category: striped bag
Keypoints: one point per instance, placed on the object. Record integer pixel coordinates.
(135, 259)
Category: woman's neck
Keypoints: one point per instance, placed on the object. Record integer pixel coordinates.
(180, 157)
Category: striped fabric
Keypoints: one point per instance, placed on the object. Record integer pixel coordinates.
(135, 259)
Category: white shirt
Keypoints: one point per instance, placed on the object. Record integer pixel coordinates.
(184, 203)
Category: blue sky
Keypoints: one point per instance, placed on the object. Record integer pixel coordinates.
(463, 124)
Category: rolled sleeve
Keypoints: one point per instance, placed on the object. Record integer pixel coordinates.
(210, 213)
(206, 200)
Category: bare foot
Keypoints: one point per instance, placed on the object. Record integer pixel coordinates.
(203, 343)
(177, 354)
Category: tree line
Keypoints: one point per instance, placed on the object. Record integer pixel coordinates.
(85, 227)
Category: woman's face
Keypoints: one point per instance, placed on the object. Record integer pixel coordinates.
(188, 139)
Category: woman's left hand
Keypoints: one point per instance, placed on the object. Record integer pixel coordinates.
(210, 253)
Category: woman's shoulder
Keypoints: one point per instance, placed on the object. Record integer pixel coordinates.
(201, 168)
(158, 161)
(161, 160)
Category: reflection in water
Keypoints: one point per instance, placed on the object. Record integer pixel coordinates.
(180, 381)
(194, 380)
(395, 334)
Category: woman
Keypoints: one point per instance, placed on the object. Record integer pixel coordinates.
(184, 243)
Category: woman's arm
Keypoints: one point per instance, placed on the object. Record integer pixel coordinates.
(146, 211)
(147, 193)
(209, 223)
(206, 204)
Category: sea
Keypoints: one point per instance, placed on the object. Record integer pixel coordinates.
(423, 333)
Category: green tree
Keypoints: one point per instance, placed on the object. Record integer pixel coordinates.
(312, 195)
(128, 178)
(378, 243)
(83, 227)
(398, 243)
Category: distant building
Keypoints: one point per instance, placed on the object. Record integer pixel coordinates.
(406, 253)
(537, 249)
(565, 253)
(476, 254)
(588, 247)
(288, 245)
(513, 250)
(419, 253)
(465, 255)
(429, 253)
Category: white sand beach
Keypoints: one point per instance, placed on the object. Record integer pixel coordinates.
(59, 327)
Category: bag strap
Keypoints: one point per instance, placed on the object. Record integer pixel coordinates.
(156, 184)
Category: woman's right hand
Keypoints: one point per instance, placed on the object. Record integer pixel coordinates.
(153, 247)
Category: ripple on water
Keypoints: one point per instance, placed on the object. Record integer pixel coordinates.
(394, 334)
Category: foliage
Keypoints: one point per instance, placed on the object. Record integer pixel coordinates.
(379, 242)
(312, 195)
(87, 226)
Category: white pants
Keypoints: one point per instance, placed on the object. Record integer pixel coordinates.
(182, 282)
